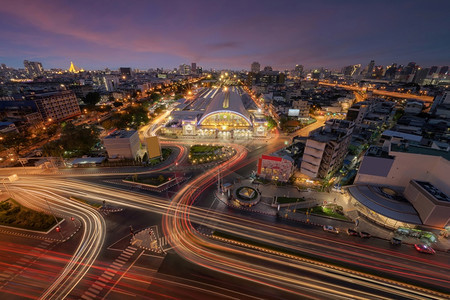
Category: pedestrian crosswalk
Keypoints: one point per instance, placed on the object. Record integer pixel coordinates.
(106, 277)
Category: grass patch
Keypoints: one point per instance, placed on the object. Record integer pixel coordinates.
(90, 203)
(195, 149)
(283, 200)
(153, 180)
(261, 180)
(15, 215)
(325, 211)
(165, 152)
(329, 261)
(204, 154)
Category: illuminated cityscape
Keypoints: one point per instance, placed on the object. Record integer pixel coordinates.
(224, 150)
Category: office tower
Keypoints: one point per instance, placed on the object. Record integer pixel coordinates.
(33, 68)
(256, 67)
(443, 70)
(125, 72)
(298, 71)
(433, 70)
(369, 69)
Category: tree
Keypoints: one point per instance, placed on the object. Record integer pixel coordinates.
(76, 140)
(53, 148)
(92, 99)
(108, 124)
(270, 123)
(15, 141)
(155, 97)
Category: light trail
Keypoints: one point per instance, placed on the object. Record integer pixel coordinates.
(228, 259)
(93, 235)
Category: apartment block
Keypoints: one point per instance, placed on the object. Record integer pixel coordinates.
(326, 148)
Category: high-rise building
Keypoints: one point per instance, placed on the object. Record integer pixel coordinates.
(391, 71)
(433, 70)
(420, 75)
(369, 69)
(125, 72)
(326, 148)
(33, 68)
(443, 70)
(351, 70)
(194, 68)
(256, 67)
(56, 106)
(298, 71)
(441, 105)
(111, 83)
(268, 69)
(184, 69)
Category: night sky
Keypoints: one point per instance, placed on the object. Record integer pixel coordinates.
(224, 34)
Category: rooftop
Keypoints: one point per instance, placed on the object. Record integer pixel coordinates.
(385, 203)
(227, 100)
(434, 191)
(377, 151)
(416, 149)
(121, 134)
(402, 135)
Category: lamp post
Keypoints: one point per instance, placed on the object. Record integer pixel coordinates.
(58, 229)
(4, 184)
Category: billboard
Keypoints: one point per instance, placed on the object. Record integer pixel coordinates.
(293, 112)
(153, 148)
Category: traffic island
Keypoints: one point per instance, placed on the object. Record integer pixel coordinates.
(14, 215)
(146, 239)
(18, 220)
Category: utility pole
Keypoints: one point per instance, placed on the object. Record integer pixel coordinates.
(218, 180)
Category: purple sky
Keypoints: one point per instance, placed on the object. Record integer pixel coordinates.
(224, 34)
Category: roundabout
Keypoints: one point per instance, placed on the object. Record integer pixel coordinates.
(246, 196)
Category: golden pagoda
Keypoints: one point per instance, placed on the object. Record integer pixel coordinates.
(74, 69)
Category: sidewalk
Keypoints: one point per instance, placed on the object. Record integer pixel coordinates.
(68, 229)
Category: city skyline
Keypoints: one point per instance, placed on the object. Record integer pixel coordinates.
(227, 35)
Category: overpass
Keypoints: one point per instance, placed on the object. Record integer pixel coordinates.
(427, 99)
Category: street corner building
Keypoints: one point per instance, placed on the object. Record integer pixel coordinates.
(273, 167)
(122, 144)
(217, 113)
(403, 185)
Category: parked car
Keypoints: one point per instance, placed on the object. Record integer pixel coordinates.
(395, 241)
(330, 228)
(424, 248)
(365, 234)
(352, 232)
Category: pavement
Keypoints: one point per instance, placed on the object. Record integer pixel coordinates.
(313, 198)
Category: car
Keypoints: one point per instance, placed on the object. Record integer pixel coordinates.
(365, 234)
(424, 248)
(330, 228)
(395, 241)
(352, 232)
